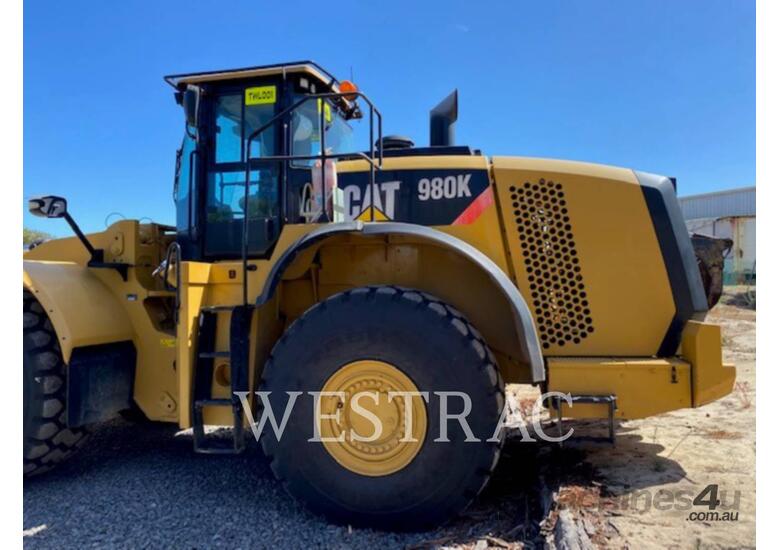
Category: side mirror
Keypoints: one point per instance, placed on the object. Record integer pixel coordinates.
(57, 207)
(189, 101)
(48, 207)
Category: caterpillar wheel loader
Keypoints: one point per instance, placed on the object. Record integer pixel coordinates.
(306, 271)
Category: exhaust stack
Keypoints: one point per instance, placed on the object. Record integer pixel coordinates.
(443, 118)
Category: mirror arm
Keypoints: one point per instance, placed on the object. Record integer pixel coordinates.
(94, 255)
(194, 136)
(56, 207)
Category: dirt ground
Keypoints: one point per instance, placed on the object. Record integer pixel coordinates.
(639, 493)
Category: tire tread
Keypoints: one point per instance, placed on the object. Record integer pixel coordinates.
(49, 440)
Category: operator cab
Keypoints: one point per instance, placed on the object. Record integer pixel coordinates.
(253, 125)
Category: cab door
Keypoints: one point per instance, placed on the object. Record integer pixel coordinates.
(235, 112)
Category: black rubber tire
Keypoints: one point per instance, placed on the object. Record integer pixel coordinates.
(47, 439)
(435, 346)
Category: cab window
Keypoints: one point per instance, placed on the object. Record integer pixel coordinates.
(306, 130)
(233, 121)
(228, 129)
(183, 183)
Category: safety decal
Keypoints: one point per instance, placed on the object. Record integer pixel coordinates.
(475, 209)
(168, 342)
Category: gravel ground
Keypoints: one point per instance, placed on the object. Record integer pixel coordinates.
(134, 486)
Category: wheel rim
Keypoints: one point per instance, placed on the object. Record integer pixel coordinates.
(391, 447)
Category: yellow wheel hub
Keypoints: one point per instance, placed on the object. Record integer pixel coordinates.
(362, 444)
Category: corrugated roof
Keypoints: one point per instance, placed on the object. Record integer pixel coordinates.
(719, 204)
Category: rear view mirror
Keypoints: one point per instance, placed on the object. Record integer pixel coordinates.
(57, 207)
(190, 103)
(48, 207)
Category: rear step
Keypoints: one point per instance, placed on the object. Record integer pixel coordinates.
(240, 318)
(609, 400)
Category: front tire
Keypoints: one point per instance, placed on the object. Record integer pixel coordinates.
(427, 344)
(47, 439)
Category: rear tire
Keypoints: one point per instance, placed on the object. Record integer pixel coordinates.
(433, 345)
(47, 439)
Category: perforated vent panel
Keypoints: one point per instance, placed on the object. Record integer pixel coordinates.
(557, 287)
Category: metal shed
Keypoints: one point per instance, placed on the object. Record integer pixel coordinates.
(730, 214)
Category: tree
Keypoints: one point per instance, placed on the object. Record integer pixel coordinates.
(32, 235)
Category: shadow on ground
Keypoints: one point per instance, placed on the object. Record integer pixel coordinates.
(530, 476)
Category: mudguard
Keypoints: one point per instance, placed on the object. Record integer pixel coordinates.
(80, 307)
(527, 341)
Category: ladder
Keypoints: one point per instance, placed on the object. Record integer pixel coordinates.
(610, 401)
(238, 358)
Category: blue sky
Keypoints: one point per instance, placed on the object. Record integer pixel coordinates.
(665, 86)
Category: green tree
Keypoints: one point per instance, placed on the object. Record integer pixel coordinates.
(32, 235)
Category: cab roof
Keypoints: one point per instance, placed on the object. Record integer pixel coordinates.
(179, 81)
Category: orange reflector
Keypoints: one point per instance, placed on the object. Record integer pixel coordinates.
(347, 86)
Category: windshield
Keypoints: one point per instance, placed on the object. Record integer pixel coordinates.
(306, 130)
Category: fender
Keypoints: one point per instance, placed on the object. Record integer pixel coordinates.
(679, 258)
(528, 347)
(81, 309)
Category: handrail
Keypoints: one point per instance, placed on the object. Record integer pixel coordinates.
(191, 190)
(174, 247)
(323, 156)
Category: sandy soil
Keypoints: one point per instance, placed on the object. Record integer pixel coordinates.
(639, 493)
(689, 450)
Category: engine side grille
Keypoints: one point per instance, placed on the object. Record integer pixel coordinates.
(560, 300)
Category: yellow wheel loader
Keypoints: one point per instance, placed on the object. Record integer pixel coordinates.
(358, 308)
